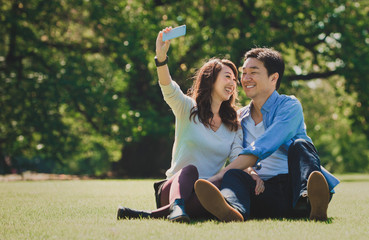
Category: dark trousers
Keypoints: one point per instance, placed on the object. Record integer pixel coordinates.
(282, 194)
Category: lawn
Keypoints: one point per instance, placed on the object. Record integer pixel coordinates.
(87, 210)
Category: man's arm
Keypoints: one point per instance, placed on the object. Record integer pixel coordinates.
(241, 162)
(284, 126)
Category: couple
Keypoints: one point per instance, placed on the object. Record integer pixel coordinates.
(274, 168)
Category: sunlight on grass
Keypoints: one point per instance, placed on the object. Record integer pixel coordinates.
(87, 210)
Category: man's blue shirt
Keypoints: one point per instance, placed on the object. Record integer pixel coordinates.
(283, 121)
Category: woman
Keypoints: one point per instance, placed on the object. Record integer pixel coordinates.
(207, 134)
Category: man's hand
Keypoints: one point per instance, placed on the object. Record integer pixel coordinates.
(259, 183)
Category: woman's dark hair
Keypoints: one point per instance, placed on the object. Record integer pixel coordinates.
(201, 92)
(272, 60)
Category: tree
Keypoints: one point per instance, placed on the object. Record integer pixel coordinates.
(79, 87)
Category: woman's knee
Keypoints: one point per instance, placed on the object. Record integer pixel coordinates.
(190, 170)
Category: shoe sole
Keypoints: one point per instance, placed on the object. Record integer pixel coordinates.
(318, 193)
(213, 201)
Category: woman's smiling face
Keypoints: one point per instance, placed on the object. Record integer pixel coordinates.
(225, 84)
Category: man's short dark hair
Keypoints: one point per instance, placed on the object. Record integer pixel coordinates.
(272, 60)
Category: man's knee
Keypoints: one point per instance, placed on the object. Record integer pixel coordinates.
(237, 174)
(233, 172)
(303, 150)
(298, 145)
(301, 147)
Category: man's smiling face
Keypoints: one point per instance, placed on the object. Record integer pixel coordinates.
(255, 80)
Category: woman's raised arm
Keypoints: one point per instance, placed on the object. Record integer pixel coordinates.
(161, 57)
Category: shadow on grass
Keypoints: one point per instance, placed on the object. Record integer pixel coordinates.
(356, 180)
(215, 221)
(328, 221)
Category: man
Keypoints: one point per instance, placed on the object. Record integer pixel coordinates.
(275, 139)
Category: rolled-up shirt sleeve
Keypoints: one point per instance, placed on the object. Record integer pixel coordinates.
(285, 125)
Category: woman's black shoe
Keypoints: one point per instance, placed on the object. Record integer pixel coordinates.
(128, 213)
(177, 212)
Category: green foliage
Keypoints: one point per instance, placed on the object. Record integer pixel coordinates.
(78, 86)
(327, 111)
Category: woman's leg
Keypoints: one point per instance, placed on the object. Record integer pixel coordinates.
(178, 186)
(194, 208)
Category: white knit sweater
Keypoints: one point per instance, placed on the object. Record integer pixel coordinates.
(196, 144)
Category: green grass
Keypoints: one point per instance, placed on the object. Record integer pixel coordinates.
(87, 210)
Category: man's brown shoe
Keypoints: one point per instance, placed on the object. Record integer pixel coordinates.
(213, 201)
(318, 194)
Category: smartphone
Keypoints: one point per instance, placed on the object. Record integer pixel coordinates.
(175, 32)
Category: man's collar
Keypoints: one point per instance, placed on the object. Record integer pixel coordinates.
(245, 111)
(270, 101)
